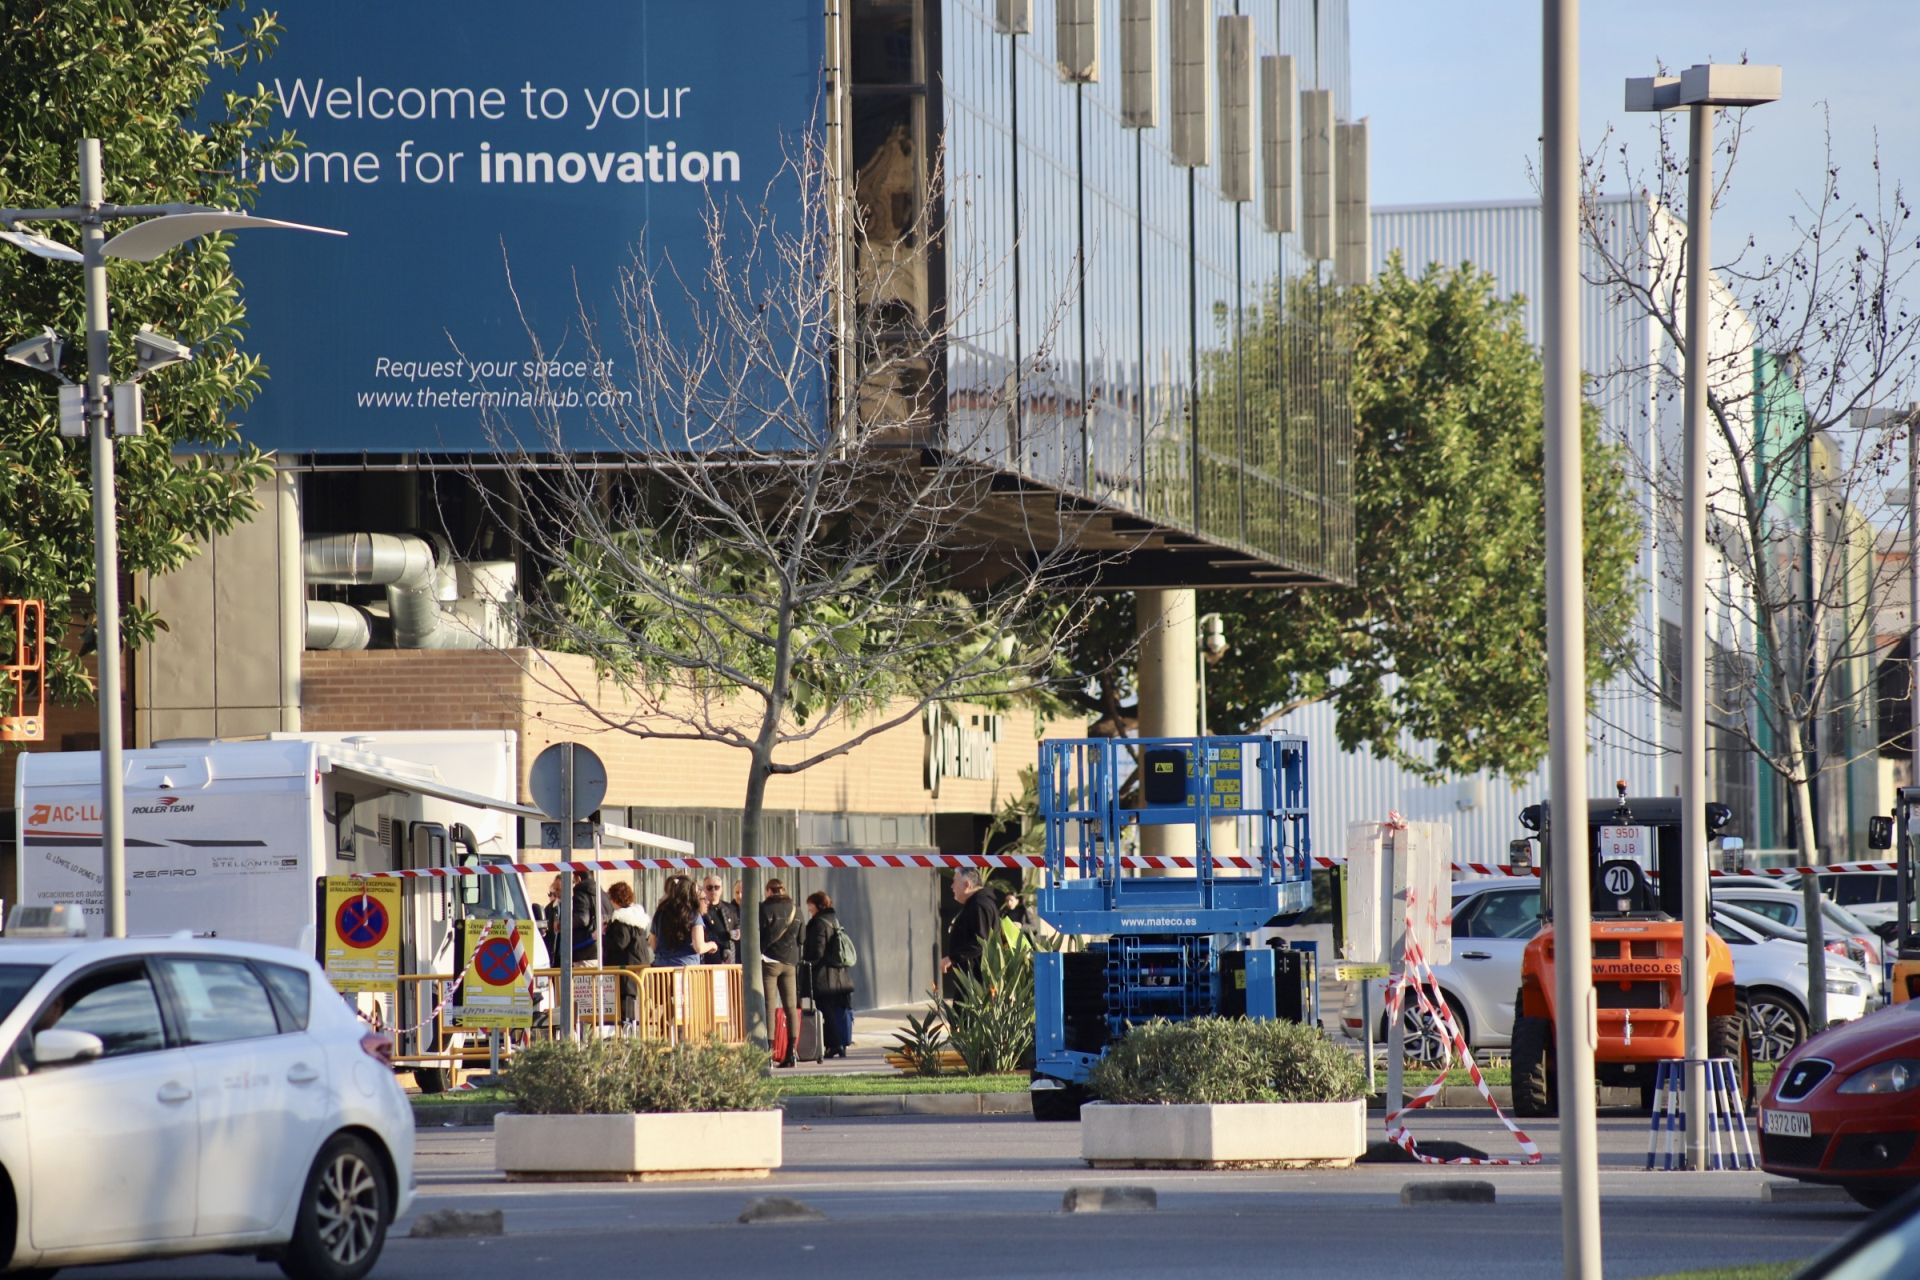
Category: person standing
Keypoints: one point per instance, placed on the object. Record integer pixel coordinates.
(830, 982)
(678, 936)
(720, 927)
(627, 945)
(977, 920)
(780, 959)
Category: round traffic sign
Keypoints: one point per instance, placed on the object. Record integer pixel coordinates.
(498, 962)
(361, 922)
(547, 782)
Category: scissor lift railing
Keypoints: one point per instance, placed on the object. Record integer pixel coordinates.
(1259, 782)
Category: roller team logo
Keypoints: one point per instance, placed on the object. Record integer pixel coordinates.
(164, 804)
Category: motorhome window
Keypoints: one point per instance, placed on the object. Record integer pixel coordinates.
(114, 1002)
(343, 824)
(219, 1000)
(292, 991)
(15, 981)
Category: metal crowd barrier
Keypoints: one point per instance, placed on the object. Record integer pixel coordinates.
(669, 1005)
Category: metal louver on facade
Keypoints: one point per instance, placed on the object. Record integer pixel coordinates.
(1279, 98)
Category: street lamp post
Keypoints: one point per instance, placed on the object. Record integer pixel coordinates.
(1567, 633)
(1700, 90)
(160, 229)
(1213, 647)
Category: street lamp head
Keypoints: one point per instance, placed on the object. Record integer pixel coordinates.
(1706, 85)
(40, 354)
(157, 351)
(1213, 639)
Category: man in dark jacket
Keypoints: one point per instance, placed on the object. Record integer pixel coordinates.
(586, 917)
(721, 921)
(977, 920)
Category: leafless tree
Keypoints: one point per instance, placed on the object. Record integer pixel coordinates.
(1808, 343)
(769, 538)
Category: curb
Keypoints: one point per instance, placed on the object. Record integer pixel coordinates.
(442, 1115)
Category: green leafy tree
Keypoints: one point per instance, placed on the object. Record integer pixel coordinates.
(135, 74)
(1441, 638)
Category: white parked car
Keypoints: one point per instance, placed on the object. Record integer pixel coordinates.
(173, 1096)
(1874, 896)
(1770, 969)
(1493, 920)
(1782, 904)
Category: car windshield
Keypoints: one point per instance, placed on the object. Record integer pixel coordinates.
(501, 895)
(15, 981)
(1761, 925)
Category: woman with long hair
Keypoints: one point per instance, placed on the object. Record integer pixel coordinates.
(678, 936)
(780, 960)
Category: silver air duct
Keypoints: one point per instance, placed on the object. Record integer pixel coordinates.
(332, 625)
(406, 567)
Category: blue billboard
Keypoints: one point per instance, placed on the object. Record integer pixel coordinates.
(496, 166)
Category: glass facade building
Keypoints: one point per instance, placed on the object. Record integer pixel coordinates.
(1117, 330)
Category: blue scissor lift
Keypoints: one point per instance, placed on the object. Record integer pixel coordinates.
(1158, 945)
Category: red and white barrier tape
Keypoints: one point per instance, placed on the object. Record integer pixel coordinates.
(1416, 976)
(1013, 861)
(446, 998)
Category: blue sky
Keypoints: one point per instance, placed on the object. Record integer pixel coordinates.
(1453, 92)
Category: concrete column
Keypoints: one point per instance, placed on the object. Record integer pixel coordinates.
(1169, 688)
(292, 598)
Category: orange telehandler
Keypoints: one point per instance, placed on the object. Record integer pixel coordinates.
(1637, 947)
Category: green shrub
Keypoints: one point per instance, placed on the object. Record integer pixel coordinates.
(1226, 1060)
(622, 1075)
(922, 1042)
(990, 1015)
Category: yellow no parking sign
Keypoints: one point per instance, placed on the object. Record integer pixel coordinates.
(497, 990)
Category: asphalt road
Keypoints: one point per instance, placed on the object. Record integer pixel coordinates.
(981, 1196)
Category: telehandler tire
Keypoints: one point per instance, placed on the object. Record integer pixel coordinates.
(1533, 1091)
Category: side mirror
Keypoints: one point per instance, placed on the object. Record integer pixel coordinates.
(1520, 855)
(1879, 832)
(1887, 929)
(57, 1047)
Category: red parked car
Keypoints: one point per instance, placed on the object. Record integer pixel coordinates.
(1844, 1108)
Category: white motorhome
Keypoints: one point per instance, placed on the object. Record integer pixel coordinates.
(229, 839)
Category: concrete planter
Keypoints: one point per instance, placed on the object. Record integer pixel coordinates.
(637, 1148)
(1249, 1135)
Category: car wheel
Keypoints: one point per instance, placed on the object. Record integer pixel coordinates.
(1060, 1105)
(1533, 1094)
(1775, 1025)
(1426, 1041)
(344, 1209)
(1876, 1195)
(430, 1079)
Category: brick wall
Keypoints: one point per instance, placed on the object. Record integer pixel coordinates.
(537, 695)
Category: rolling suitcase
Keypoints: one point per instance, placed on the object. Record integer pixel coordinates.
(812, 1046)
(812, 1037)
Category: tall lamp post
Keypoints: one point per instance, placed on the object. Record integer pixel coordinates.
(1567, 631)
(1699, 91)
(99, 410)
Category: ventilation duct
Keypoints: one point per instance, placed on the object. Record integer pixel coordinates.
(1191, 28)
(1316, 173)
(1077, 37)
(1236, 108)
(1139, 64)
(1013, 17)
(1353, 259)
(333, 625)
(415, 583)
(1279, 90)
